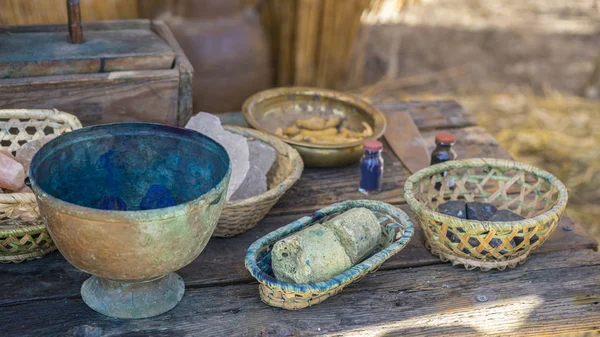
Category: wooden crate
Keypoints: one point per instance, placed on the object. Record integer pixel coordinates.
(124, 71)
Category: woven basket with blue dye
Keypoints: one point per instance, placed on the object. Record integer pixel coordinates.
(397, 230)
(536, 195)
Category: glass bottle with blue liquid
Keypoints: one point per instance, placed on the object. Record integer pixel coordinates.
(371, 167)
(444, 151)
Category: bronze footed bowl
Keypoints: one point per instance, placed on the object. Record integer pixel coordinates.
(131, 203)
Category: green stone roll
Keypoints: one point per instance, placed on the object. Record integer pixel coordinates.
(311, 255)
(359, 232)
(322, 251)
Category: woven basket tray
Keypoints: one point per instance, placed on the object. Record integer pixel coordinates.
(23, 235)
(534, 194)
(241, 215)
(397, 230)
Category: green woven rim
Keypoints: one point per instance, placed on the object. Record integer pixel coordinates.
(351, 274)
(21, 257)
(23, 230)
(473, 226)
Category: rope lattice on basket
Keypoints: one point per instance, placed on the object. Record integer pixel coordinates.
(241, 215)
(525, 190)
(23, 237)
(20, 126)
(18, 206)
(20, 244)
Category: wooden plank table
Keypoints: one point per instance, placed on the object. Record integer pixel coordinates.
(556, 292)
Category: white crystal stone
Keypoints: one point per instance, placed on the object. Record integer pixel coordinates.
(255, 183)
(261, 155)
(236, 146)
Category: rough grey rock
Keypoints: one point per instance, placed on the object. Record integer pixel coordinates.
(261, 155)
(358, 230)
(254, 183)
(311, 255)
(236, 146)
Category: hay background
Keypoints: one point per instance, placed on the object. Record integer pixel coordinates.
(521, 67)
(556, 132)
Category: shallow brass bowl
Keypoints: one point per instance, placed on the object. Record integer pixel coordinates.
(281, 107)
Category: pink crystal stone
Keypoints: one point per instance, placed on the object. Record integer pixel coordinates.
(28, 150)
(12, 174)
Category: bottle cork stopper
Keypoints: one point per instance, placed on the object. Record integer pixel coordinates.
(445, 138)
(372, 145)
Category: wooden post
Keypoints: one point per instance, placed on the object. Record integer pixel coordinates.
(74, 14)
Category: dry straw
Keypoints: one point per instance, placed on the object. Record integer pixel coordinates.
(23, 235)
(312, 40)
(526, 190)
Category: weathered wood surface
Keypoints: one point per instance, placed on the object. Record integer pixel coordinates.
(209, 270)
(102, 51)
(553, 293)
(87, 26)
(342, 183)
(159, 96)
(406, 296)
(99, 98)
(186, 73)
(429, 115)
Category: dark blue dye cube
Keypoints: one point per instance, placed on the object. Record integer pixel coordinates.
(111, 203)
(506, 215)
(157, 196)
(480, 211)
(455, 208)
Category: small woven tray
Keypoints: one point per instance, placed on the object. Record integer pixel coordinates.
(397, 230)
(241, 215)
(526, 190)
(23, 235)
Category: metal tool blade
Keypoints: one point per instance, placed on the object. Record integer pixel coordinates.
(404, 138)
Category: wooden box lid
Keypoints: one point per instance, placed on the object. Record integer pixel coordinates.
(28, 51)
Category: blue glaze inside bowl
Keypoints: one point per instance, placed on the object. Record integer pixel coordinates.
(125, 160)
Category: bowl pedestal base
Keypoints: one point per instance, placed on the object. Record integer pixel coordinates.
(133, 299)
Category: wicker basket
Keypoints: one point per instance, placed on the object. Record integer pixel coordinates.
(241, 215)
(528, 191)
(23, 235)
(397, 230)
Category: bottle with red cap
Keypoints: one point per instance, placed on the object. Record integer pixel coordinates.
(443, 152)
(371, 167)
